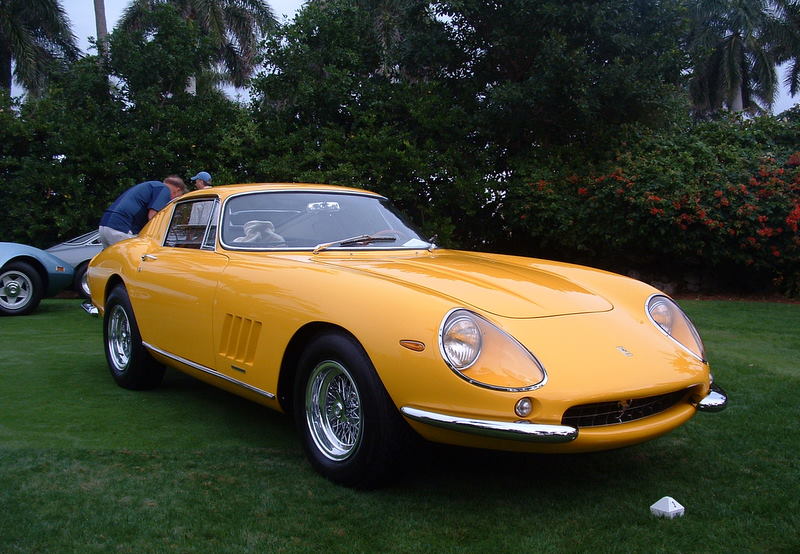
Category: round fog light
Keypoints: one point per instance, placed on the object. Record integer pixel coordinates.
(524, 407)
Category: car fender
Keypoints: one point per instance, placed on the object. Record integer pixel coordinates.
(56, 273)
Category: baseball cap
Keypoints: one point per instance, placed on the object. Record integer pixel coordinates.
(203, 175)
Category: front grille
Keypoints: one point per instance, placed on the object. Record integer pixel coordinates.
(621, 411)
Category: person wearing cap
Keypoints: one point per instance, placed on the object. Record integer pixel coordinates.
(135, 207)
(202, 180)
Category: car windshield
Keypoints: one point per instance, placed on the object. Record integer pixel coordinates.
(314, 220)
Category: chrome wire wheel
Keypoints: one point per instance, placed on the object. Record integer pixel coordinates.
(120, 342)
(333, 410)
(16, 290)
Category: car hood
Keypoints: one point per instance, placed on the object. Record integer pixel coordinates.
(497, 285)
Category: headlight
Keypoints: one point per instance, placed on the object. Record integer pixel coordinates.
(667, 316)
(483, 354)
(461, 341)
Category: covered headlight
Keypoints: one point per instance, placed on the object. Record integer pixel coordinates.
(461, 341)
(670, 319)
(483, 354)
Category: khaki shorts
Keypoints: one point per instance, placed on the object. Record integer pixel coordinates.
(109, 236)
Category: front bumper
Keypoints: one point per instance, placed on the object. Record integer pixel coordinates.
(715, 401)
(90, 308)
(521, 431)
(518, 431)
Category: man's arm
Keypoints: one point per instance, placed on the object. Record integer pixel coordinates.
(150, 213)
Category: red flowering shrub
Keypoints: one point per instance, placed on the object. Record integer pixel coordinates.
(690, 209)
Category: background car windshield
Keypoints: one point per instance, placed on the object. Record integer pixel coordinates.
(308, 219)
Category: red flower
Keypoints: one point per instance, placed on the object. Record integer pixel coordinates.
(793, 218)
(583, 191)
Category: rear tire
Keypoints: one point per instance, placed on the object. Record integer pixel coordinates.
(349, 427)
(130, 364)
(21, 289)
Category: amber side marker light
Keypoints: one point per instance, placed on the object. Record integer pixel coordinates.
(414, 345)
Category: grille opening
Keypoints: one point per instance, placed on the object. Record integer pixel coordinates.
(620, 411)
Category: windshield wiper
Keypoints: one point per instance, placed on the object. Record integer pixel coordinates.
(360, 239)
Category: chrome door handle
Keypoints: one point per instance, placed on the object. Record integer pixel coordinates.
(146, 257)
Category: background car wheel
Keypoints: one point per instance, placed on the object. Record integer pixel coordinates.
(128, 360)
(351, 430)
(21, 289)
(80, 284)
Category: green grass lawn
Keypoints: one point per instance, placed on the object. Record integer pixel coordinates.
(86, 466)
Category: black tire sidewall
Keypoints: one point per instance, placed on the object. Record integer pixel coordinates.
(369, 464)
(36, 282)
(80, 271)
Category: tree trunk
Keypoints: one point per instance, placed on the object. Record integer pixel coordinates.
(737, 104)
(102, 30)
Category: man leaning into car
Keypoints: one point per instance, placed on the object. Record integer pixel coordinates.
(135, 207)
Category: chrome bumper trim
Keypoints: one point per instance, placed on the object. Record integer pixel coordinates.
(716, 400)
(90, 308)
(517, 431)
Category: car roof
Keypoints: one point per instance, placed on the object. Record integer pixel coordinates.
(228, 190)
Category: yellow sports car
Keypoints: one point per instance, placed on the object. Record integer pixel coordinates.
(320, 301)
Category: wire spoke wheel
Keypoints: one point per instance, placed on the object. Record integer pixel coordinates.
(333, 410)
(120, 342)
(128, 360)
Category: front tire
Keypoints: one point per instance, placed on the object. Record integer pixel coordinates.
(128, 360)
(80, 284)
(21, 289)
(351, 431)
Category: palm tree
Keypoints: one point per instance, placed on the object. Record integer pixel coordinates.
(35, 37)
(235, 28)
(785, 41)
(734, 66)
(102, 29)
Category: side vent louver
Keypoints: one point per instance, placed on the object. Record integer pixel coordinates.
(239, 339)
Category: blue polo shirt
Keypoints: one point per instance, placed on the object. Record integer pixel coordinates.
(129, 212)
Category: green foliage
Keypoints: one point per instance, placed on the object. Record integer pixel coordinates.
(328, 111)
(481, 120)
(69, 153)
(719, 203)
(551, 73)
(36, 40)
(158, 57)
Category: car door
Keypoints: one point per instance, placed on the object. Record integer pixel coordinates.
(177, 282)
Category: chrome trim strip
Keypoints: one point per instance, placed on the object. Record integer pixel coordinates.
(90, 308)
(715, 401)
(517, 431)
(208, 370)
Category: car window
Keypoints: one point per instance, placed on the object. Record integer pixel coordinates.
(304, 220)
(193, 225)
(84, 238)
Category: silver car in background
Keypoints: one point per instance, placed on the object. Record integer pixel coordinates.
(78, 252)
